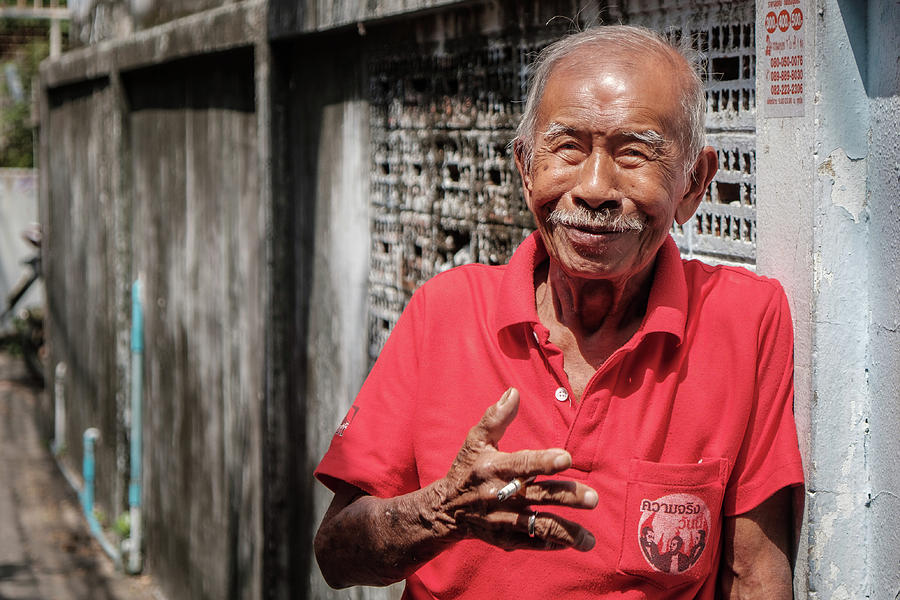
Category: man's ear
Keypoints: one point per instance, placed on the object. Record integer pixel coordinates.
(698, 180)
(524, 173)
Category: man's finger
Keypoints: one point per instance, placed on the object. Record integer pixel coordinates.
(561, 493)
(510, 530)
(496, 419)
(554, 530)
(523, 464)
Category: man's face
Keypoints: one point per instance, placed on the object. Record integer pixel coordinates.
(604, 143)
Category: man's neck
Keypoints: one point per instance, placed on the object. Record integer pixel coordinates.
(587, 307)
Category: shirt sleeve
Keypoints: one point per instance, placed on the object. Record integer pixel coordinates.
(769, 457)
(372, 448)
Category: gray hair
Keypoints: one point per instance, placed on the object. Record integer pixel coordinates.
(690, 128)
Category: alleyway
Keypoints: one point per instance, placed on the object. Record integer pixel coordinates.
(46, 552)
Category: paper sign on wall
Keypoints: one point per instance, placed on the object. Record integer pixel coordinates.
(783, 60)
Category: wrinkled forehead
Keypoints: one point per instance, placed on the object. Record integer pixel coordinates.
(657, 76)
(627, 53)
(656, 63)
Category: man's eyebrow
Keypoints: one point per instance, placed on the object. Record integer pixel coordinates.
(650, 137)
(556, 130)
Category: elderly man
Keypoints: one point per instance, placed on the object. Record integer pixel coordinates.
(644, 444)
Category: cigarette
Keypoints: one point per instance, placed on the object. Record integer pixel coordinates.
(512, 488)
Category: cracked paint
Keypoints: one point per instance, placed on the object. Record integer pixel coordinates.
(846, 178)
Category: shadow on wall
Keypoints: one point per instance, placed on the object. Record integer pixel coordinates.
(307, 162)
(169, 86)
(875, 55)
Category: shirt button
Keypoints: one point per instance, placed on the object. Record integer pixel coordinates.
(561, 394)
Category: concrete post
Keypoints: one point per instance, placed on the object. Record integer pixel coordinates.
(55, 33)
(819, 185)
(883, 199)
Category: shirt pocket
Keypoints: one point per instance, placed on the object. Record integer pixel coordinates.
(672, 525)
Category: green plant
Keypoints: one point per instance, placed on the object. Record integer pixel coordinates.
(101, 517)
(122, 526)
(17, 148)
(16, 128)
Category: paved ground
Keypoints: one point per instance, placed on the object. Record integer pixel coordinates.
(46, 552)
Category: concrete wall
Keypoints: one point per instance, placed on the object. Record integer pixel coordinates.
(292, 17)
(94, 21)
(198, 247)
(829, 226)
(80, 277)
(152, 171)
(882, 85)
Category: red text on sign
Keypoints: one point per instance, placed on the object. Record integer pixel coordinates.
(796, 19)
(784, 20)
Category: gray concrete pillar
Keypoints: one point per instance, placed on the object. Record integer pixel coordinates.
(822, 181)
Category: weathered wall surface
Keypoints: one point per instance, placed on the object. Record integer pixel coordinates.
(79, 271)
(198, 248)
(94, 21)
(883, 202)
(293, 17)
(153, 172)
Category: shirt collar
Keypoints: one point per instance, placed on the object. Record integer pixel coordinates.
(666, 305)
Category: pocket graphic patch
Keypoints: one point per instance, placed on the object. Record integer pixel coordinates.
(673, 532)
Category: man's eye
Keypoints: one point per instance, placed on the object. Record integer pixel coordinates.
(634, 155)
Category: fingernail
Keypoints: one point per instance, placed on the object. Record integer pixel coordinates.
(591, 498)
(563, 461)
(585, 541)
(505, 397)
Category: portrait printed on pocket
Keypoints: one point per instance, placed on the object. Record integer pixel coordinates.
(673, 532)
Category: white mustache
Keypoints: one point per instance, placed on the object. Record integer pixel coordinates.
(602, 219)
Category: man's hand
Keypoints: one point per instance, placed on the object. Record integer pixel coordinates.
(365, 540)
(468, 494)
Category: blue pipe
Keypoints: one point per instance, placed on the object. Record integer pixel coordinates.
(137, 379)
(87, 470)
(137, 351)
(87, 496)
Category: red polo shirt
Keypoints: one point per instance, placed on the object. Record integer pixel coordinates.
(688, 422)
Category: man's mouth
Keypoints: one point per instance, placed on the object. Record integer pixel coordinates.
(592, 236)
(595, 230)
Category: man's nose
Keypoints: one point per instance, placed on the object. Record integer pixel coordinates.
(598, 183)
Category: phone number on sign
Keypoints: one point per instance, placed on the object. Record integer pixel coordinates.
(792, 75)
(787, 88)
(786, 61)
